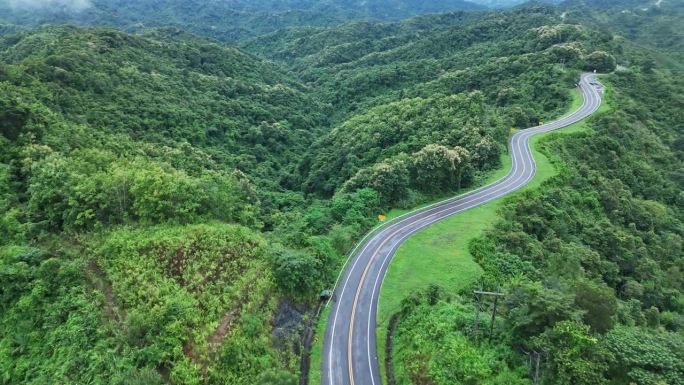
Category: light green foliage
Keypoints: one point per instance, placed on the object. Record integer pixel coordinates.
(91, 188)
(188, 281)
(171, 289)
(46, 312)
(651, 357)
(272, 377)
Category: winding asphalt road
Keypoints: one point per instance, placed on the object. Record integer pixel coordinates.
(350, 354)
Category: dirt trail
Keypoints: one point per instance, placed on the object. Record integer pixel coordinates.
(98, 279)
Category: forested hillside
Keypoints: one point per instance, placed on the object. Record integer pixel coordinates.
(590, 264)
(114, 149)
(171, 207)
(392, 88)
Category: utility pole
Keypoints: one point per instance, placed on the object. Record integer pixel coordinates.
(535, 361)
(536, 369)
(479, 294)
(477, 314)
(491, 327)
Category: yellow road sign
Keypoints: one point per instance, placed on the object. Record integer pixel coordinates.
(382, 217)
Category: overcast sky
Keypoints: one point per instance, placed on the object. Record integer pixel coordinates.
(71, 5)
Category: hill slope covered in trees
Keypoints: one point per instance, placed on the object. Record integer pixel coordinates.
(392, 86)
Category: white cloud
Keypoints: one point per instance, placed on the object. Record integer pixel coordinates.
(68, 5)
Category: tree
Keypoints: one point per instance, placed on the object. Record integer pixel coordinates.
(389, 178)
(436, 168)
(575, 355)
(600, 61)
(532, 309)
(297, 273)
(599, 303)
(358, 208)
(647, 65)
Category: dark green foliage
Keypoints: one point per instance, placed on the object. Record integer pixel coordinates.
(598, 302)
(298, 273)
(450, 80)
(12, 119)
(532, 309)
(142, 87)
(655, 24)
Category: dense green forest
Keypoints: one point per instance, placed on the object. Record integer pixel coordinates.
(171, 206)
(457, 80)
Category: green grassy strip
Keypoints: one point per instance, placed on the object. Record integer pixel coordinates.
(315, 375)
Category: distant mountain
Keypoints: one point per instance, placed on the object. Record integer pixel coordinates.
(509, 3)
(653, 23)
(225, 20)
(498, 3)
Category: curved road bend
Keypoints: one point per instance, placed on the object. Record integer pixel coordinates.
(349, 355)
